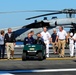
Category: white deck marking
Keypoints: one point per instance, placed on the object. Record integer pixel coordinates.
(55, 70)
(37, 71)
(6, 74)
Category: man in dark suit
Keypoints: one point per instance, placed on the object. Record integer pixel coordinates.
(10, 43)
(54, 42)
(29, 39)
(39, 40)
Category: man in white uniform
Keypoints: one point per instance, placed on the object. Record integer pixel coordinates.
(47, 38)
(71, 45)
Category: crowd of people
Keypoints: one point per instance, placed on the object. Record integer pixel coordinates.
(57, 39)
(60, 39)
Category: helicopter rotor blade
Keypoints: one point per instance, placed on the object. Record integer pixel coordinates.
(17, 11)
(63, 11)
(43, 15)
(44, 11)
(29, 11)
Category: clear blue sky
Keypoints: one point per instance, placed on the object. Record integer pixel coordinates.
(18, 19)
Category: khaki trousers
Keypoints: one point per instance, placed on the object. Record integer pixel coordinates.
(61, 47)
(55, 44)
(9, 48)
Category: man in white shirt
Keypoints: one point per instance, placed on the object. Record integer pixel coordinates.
(61, 36)
(46, 38)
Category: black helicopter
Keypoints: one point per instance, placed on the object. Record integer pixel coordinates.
(68, 22)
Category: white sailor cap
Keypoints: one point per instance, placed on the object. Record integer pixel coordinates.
(71, 34)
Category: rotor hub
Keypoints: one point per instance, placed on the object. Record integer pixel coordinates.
(69, 11)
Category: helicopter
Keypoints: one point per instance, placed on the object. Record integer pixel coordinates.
(54, 22)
